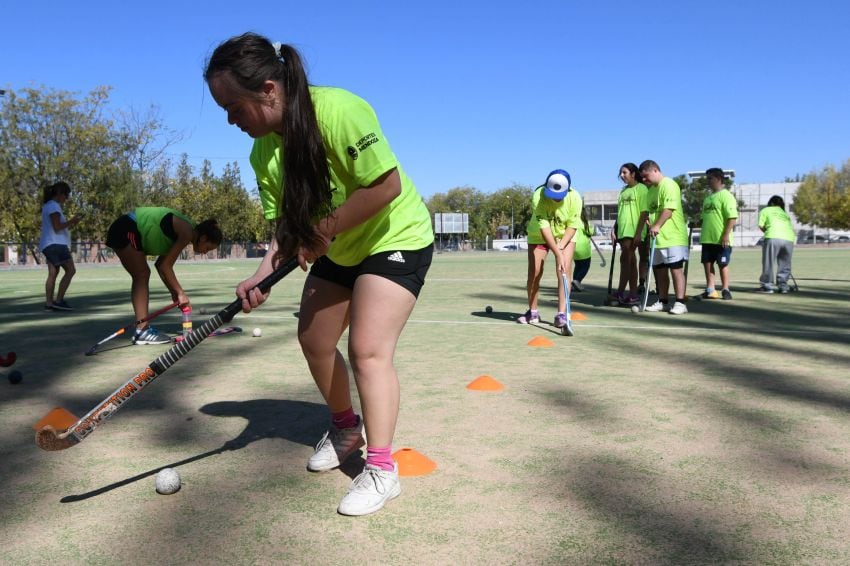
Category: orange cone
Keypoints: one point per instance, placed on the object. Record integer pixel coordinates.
(540, 342)
(578, 316)
(412, 463)
(484, 383)
(58, 418)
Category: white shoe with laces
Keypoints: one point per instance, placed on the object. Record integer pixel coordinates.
(678, 308)
(370, 491)
(336, 446)
(658, 306)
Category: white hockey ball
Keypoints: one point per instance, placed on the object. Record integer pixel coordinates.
(257, 333)
(635, 308)
(167, 481)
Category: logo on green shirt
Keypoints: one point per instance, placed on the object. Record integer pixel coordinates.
(366, 141)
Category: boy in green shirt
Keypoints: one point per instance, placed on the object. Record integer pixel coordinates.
(719, 214)
(663, 209)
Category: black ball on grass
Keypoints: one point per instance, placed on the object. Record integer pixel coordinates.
(15, 376)
(488, 309)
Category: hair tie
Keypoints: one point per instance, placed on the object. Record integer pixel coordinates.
(277, 45)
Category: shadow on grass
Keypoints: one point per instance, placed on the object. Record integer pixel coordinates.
(496, 315)
(625, 493)
(765, 410)
(293, 421)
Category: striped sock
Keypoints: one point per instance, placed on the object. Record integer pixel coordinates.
(380, 457)
(345, 419)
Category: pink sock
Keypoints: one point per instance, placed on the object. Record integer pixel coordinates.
(380, 457)
(344, 419)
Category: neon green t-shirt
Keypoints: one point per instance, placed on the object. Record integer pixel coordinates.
(667, 195)
(582, 240)
(149, 222)
(358, 153)
(717, 209)
(559, 215)
(532, 229)
(776, 224)
(629, 205)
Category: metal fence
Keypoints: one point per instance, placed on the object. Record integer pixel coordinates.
(27, 253)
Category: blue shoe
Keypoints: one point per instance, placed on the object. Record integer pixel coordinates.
(151, 335)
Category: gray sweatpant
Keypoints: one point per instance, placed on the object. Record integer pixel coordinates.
(776, 259)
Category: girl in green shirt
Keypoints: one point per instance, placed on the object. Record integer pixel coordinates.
(630, 234)
(163, 232)
(343, 203)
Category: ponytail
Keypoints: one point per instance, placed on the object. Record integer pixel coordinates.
(306, 186)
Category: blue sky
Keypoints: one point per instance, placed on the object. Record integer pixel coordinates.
(486, 94)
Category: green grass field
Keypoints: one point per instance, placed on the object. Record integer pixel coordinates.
(721, 436)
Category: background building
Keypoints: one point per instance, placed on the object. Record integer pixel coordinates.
(602, 211)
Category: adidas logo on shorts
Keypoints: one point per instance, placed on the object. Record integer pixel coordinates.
(396, 256)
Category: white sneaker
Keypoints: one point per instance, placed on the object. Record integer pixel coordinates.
(370, 491)
(335, 447)
(678, 308)
(658, 306)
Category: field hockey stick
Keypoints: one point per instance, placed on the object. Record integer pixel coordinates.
(688, 261)
(7, 361)
(129, 327)
(60, 429)
(645, 298)
(602, 257)
(611, 274)
(796, 287)
(567, 330)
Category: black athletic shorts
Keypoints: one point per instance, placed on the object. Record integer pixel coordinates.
(715, 253)
(122, 232)
(404, 267)
(57, 254)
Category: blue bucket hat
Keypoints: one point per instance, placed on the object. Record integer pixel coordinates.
(557, 185)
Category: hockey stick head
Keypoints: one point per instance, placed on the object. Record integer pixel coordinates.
(48, 438)
(9, 360)
(51, 432)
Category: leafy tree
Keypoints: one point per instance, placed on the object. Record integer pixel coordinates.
(113, 162)
(223, 198)
(49, 135)
(823, 198)
(511, 207)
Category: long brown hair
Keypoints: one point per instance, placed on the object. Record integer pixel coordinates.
(248, 60)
